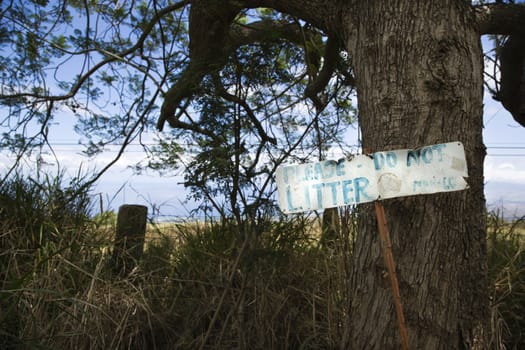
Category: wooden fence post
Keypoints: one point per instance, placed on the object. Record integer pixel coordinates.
(129, 237)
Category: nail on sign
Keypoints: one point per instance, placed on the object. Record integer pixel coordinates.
(370, 177)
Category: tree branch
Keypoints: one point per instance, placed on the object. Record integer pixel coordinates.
(209, 26)
(111, 57)
(253, 118)
(322, 14)
(315, 86)
(214, 36)
(512, 83)
(498, 18)
(209, 53)
(265, 31)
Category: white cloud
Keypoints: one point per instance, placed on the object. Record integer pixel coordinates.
(502, 170)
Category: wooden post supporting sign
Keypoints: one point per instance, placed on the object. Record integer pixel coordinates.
(386, 247)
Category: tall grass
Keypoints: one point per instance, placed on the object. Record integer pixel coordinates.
(275, 290)
(258, 285)
(506, 261)
(266, 284)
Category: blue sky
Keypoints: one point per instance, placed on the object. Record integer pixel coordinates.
(505, 161)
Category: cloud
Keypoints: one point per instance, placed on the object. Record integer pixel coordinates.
(502, 170)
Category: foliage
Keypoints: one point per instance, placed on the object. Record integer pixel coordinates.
(107, 66)
(282, 293)
(255, 127)
(45, 253)
(102, 64)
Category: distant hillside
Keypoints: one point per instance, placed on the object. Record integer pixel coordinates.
(507, 197)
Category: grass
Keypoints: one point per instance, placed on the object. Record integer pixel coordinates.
(506, 261)
(202, 294)
(264, 285)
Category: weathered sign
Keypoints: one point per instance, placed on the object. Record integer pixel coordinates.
(371, 177)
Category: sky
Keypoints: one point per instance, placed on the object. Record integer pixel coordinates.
(505, 160)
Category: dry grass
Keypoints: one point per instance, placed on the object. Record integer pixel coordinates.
(197, 286)
(506, 260)
(261, 285)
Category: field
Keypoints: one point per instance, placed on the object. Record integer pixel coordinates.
(271, 284)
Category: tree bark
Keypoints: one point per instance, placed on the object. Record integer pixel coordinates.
(418, 68)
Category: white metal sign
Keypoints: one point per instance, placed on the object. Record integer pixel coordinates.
(370, 177)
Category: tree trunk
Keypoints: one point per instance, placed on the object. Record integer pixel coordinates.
(418, 67)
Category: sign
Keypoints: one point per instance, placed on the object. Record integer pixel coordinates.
(371, 177)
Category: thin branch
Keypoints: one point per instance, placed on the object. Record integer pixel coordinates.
(241, 102)
(112, 58)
